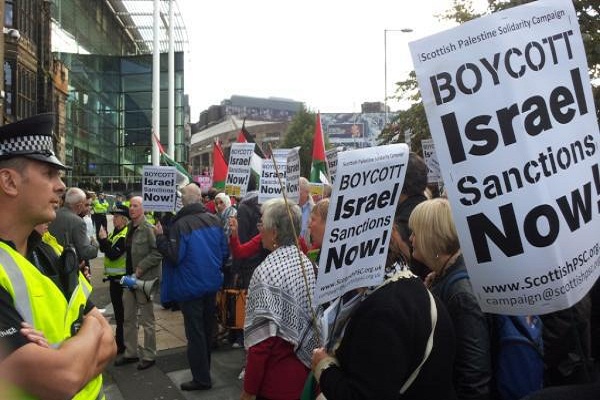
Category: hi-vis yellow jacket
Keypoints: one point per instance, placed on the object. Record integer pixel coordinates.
(41, 304)
(100, 207)
(115, 267)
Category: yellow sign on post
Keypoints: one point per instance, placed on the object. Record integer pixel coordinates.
(233, 190)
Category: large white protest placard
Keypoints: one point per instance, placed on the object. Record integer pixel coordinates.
(510, 109)
(287, 164)
(238, 171)
(159, 189)
(360, 219)
(430, 158)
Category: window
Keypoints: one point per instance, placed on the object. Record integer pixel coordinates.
(8, 87)
(8, 13)
(26, 93)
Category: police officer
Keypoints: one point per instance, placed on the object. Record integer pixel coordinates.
(77, 341)
(100, 208)
(113, 247)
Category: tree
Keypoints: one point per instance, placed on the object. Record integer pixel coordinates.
(300, 133)
(414, 120)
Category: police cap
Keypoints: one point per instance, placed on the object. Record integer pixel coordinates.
(120, 210)
(31, 138)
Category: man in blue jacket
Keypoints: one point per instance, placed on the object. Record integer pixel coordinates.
(194, 250)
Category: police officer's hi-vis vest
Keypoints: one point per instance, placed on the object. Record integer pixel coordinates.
(41, 304)
(115, 267)
(100, 207)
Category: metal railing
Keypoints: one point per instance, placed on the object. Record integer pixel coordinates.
(106, 184)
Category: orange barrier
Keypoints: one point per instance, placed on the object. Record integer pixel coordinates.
(231, 307)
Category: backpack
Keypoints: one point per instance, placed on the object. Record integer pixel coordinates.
(517, 349)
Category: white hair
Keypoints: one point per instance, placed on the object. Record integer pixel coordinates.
(304, 183)
(73, 196)
(191, 194)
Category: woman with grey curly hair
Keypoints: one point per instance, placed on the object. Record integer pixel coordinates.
(278, 330)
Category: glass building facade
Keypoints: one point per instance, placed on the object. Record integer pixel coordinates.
(109, 113)
(108, 110)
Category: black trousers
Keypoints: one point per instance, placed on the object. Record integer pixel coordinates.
(116, 297)
(100, 220)
(198, 320)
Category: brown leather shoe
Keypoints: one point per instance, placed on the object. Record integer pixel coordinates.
(145, 364)
(125, 360)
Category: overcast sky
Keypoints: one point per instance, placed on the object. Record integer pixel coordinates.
(328, 54)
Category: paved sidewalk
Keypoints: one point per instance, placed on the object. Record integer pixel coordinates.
(161, 382)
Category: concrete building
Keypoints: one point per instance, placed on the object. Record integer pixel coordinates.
(226, 132)
(268, 120)
(27, 73)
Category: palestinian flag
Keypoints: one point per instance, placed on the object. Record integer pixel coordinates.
(318, 171)
(246, 137)
(256, 160)
(219, 167)
(183, 176)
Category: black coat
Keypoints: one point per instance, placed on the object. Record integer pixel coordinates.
(384, 343)
(473, 365)
(567, 345)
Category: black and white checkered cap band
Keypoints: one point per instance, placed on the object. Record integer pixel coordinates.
(32, 144)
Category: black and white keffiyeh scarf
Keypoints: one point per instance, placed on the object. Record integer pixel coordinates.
(278, 305)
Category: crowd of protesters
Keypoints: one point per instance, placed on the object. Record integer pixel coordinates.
(268, 256)
(383, 353)
(219, 255)
(269, 263)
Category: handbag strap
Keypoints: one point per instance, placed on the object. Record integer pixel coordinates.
(428, 347)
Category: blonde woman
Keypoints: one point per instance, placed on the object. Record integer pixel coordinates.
(435, 243)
